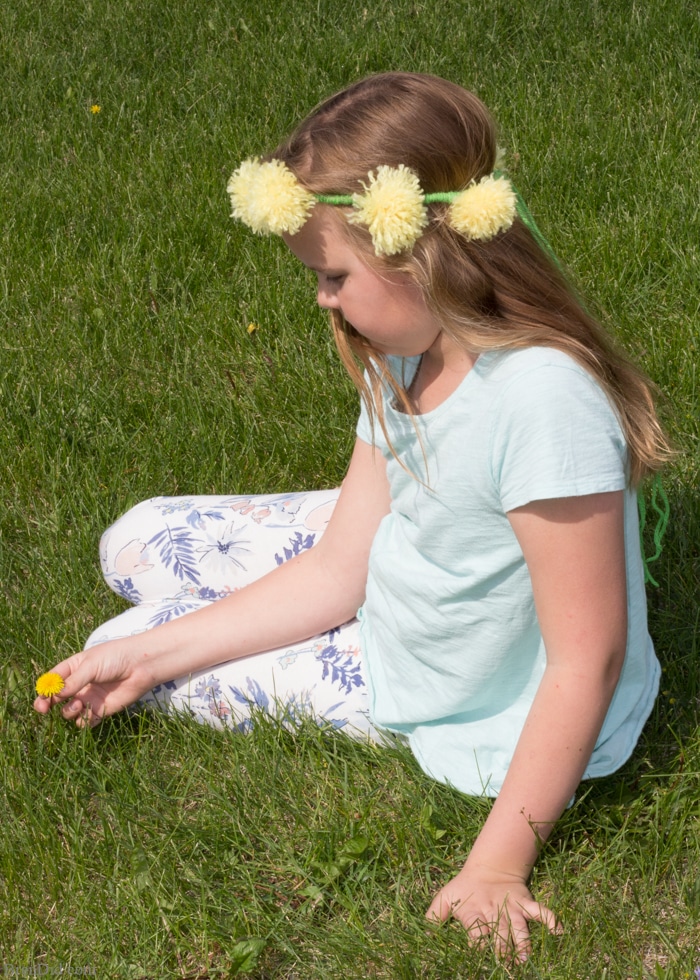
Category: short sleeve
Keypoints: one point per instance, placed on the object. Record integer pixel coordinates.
(555, 434)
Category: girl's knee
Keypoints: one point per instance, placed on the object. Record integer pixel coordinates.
(124, 545)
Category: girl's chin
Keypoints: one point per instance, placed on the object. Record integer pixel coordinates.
(393, 352)
(390, 351)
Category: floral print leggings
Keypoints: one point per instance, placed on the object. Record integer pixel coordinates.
(172, 555)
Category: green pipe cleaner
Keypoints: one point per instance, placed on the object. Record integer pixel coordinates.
(659, 499)
(659, 502)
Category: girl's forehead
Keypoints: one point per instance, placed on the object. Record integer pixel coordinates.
(321, 242)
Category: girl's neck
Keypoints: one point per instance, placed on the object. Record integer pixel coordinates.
(442, 369)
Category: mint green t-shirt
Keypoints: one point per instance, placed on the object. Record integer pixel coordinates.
(451, 644)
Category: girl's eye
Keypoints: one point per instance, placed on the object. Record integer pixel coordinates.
(335, 279)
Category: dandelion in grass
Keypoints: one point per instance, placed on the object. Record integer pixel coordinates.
(94, 109)
(49, 684)
(252, 327)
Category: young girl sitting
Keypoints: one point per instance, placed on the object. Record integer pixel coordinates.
(477, 583)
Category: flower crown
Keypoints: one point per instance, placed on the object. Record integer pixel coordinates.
(268, 198)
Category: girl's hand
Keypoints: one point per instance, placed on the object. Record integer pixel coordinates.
(492, 906)
(99, 682)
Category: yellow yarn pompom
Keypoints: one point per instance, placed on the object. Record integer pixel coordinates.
(49, 684)
(391, 209)
(484, 208)
(268, 198)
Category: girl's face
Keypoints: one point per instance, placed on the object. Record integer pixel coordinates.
(386, 308)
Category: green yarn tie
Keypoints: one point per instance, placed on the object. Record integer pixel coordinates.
(659, 499)
(337, 200)
(531, 224)
(659, 502)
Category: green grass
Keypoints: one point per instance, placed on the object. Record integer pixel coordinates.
(153, 847)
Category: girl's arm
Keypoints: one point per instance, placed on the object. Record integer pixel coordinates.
(319, 589)
(574, 549)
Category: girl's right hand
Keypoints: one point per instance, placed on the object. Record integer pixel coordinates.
(493, 906)
(98, 682)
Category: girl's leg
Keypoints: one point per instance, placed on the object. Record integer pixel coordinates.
(202, 547)
(172, 555)
(320, 678)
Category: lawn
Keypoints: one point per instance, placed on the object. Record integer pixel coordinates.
(153, 847)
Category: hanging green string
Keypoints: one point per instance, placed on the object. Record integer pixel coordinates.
(659, 499)
(529, 222)
(659, 502)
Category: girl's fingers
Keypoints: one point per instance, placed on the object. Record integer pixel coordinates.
(510, 933)
(513, 942)
(81, 713)
(439, 909)
(66, 670)
(77, 674)
(72, 709)
(75, 711)
(479, 933)
(42, 705)
(535, 912)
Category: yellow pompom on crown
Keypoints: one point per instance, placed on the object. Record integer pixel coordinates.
(391, 209)
(484, 209)
(49, 684)
(268, 198)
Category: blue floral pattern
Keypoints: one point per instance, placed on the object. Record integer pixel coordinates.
(297, 544)
(126, 589)
(176, 547)
(343, 668)
(173, 555)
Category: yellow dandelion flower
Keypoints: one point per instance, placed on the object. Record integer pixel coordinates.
(391, 209)
(252, 327)
(49, 684)
(94, 109)
(484, 208)
(268, 198)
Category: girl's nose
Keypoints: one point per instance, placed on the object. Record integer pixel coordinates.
(326, 298)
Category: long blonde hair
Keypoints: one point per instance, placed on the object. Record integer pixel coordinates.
(505, 293)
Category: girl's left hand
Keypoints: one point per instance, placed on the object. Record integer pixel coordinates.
(493, 906)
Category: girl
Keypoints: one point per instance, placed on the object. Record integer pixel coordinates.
(483, 552)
